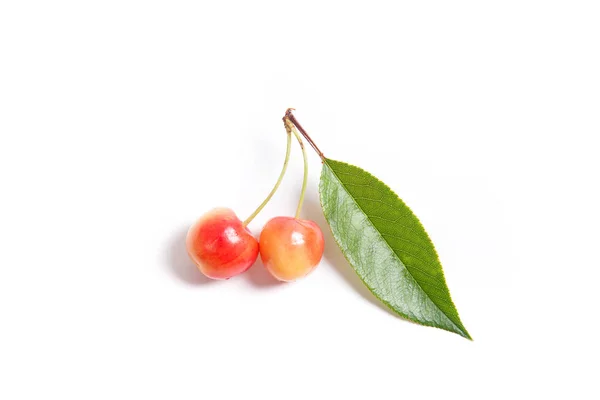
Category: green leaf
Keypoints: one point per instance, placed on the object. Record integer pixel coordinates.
(387, 246)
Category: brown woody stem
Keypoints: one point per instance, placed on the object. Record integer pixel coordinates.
(289, 116)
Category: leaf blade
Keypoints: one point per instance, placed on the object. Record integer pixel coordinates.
(387, 246)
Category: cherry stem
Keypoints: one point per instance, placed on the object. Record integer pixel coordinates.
(292, 118)
(285, 165)
(290, 126)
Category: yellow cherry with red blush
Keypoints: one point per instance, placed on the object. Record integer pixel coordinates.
(220, 245)
(291, 248)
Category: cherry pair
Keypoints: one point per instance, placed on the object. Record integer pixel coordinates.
(221, 245)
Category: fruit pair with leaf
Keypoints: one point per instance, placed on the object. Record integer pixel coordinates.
(379, 235)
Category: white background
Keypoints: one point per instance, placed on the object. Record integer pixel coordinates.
(121, 122)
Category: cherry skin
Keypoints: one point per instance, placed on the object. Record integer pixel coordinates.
(291, 248)
(220, 245)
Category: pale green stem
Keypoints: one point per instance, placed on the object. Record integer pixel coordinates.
(285, 164)
(305, 179)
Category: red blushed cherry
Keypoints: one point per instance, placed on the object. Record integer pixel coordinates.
(220, 245)
(291, 248)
